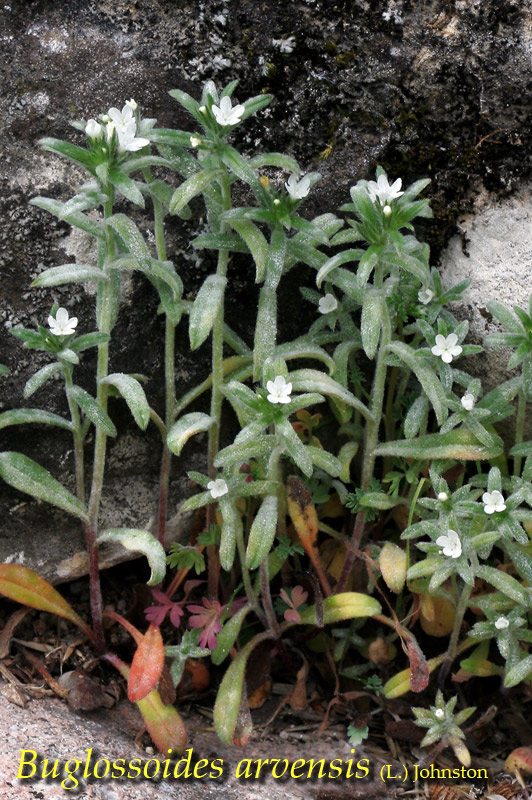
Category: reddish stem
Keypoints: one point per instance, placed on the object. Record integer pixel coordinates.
(94, 588)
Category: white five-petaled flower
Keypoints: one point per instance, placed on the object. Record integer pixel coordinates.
(493, 501)
(62, 324)
(425, 295)
(327, 304)
(450, 544)
(298, 189)
(382, 190)
(279, 390)
(443, 496)
(125, 124)
(501, 623)
(468, 402)
(217, 488)
(446, 347)
(93, 129)
(439, 713)
(226, 113)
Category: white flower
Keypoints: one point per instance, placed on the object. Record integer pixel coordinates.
(131, 104)
(425, 295)
(194, 141)
(217, 488)
(493, 502)
(468, 402)
(125, 125)
(225, 114)
(443, 496)
(501, 623)
(279, 390)
(446, 347)
(382, 190)
(439, 713)
(297, 189)
(327, 304)
(109, 130)
(93, 129)
(451, 544)
(62, 325)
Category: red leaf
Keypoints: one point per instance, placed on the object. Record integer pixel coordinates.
(419, 670)
(164, 724)
(146, 666)
(26, 587)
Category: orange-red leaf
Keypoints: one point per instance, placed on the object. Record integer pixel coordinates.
(164, 724)
(146, 666)
(26, 587)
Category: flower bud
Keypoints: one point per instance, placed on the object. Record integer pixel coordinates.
(194, 141)
(93, 129)
(277, 202)
(131, 103)
(387, 210)
(202, 109)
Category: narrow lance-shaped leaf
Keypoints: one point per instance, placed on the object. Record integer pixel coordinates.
(347, 605)
(458, 444)
(311, 380)
(69, 273)
(191, 187)
(276, 258)
(371, 322)
(164, 724)
(262, 532)
(131, 237)
(140, 541)
(337, 261)
(426, 376)
(187, 426)
(294, 447)
(265, 331)
(519, 672)
(92, 409)
(231, 528)
(126, 186)
(77, 219)
(133, 393)
(147, 665)
(229, 697)
(21, 416)
(257, 243)
(26, 587)
(227, 636)
(205, 309)
(27, 476)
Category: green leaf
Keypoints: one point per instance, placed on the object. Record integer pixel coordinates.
(40, 377)
(140, 541)
(187, 426)
(240, 166)
(231, 529)
(312, 380)
(325, 461)
(92, 409)
(78, 155)
(458, 444)
(259, 447)
(205, 309)
(126, 187)
(379, 500)
(21, 416)
(221, 241)
(371, 322)
(69, 273)
(191, 187)
(262, 533)
(4, 370)
(228, 635)
(133, 393)
(347, 605)
(275, 258)
(505, 317)
(337, 261)
(279, 160)
(295, 447)
(426, 376)
(27, 476)
(519, 672)
(88, 340)
(26, 587)
(132, 238)
(256, 242)
(504, 583)
(77, 219)
(230, 693)
(265, 330)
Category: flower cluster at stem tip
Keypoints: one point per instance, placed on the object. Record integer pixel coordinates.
(123, 123)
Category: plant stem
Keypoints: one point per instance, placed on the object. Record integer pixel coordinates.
(216, 391)
(267, 598)
(461, 608)
(76, 434)
(106, 305)
(250, 592)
